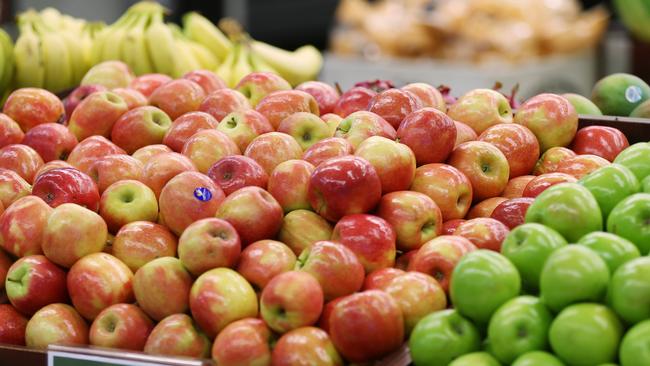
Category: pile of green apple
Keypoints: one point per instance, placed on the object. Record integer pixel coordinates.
(571, 286)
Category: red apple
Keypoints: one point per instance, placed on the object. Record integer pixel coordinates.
(161, 287)
(163, 167)
(394, 105)
(306, 128)
(305, 346)
(485, 166)
(403, 260)
(22, 159)
(302, 228)
(67, 185)
(480, 109)
(132, 97)
(448, 227)
(244, 126)
(429, 133)
(123, 326)
(512, 212)
(447, 186)
(549, 161)
(393, 161)
(148, 83)
(540, 183)
(51, 141)
(278, 105)
(381, 277)
(127, 201)
(30, 107)
(222, 102)
(332, 147)
(22, 225)
(552, 119)
(326, 96)
(80, 93)
(243, 342)
(358, 126)
(54, 164)
(484, 208)
(177, 97)
(353, 100)
(257, 85)
(96, 115)
(5, 263)
(288, 184)
(84, 155)
(606, 142)
(208, 80)
(263, 260)
(516, 186)
(140, 242)
(427, 95)
(147, 152)
(177, 335)
(206, 147)
(10, 132)
(208, 243)
(140, 127)
(273, 148)
(185, 127)
(484, 232)
(370, 237)
(114, 168)
(34, 282)
(12, 326)
(517, 143)
(12, 187)
(56, 324)
(581, 165)
(237, 171)
(464, 133)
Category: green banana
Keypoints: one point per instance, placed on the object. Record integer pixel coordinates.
(134, 47)
(7, 54)
(29, 58)
(161, 46)
(201, 30)
(56, 57)
(298, 66)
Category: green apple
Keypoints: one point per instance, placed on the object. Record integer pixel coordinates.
(442, 336)
(635, 350)
(519, 326)
(610, 185)
(645, 184)
(618, 94)
(569, 208)
(636, 158)
(481, 282)
(582, 104)
(631, 220)
(475, 359)
(586, 334)
(537, 358)
(573, 274)
(613, 249)
(629, 290)
(528, 246)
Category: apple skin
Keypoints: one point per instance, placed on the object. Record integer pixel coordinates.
(257, 85)
(280, 104)
(244, 126)
(207, 80)
(146, 84)
(427, 95)
(306, 128)
(323, 150)
(450, 226)
(67, 185)
(51, 141)
(573, 274)
(551, 117)
(610, 185)
(222, 102)
(370, 237)
(512, 212)
(305, 346)
(613, 249)
(253, 212)
(12, 187)
(581, 165)
(380, 278)
(243, 342)
(263, 260)
(485, 207)
(140, 127)
(19, 106)
(537, 358)
(568, 208)
(485, 166)
(206, 147)
(336, 268)
(429, 133)
(34, 282)
(131, 97)
(628, 219)
(475, 359)
(519, 326)
(237, 171)
(550, 159)
(632, 350)
(366, 326)
(464, 133)
(86, 153)
(603, 141)
(291, 300)
(162, 287)
(215, 288)
(353, 100)
(177, 335)
(360, 125)
(393, 161)
(586, 334)
(484, 232)
(517, 143)
(326, 96)
(481, 109)
(357, 188)
(333, 121)
(73, 221)
(447, 186)
(10, 132)
(111, 74)
(394, 105)
(481, 282)
(441, 337)
(96, 115)
(208, 243)
(645, 185)
(5, 263)
(629, 291)
(51, 165)
(414, 216)
(161, 168)
(114, 168)
(185, 126)
(544, 181)
(80, 93)
(516, 186)
(288, 184)
(273, 148)
(144, 154)
(12, 326)
(22, 225)
(140, 242)
(22, 159)
(178, 97)
(636, 158)
(127, 201)
(56, 324)
(302, 228)
(123, 326)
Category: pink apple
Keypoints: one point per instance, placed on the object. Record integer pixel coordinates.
(326, 96)
(51, 141)
(464, 133)
(263, 260)
(394, 105)
(22, 159)
(54, 164)
(449, 227)
(243, 342)
(447, 186)
(512, 212)
(302, 228)
(147, 152)
(22, 225)
(140, 127)
(485, 166)
(96, 115)
(222, 102)
(353, 100)
(206, 147)
(208, 80)
(273, 148)
(67, 185)
(516, 186)
(34, 282)
(551, 117)
(288, 184)
(606, 142)
(237, 171)
(10, 132)
(140, 242)
(484, 232)
(123, 326)
(56, 324)
(244, 126)
(111, 74)
(370, 237)
(132, 97)
(428, 95)
(162, 167)
(480, 109)
(12, 187)
(161, 287)
(148, 83)
(84, 155)
(257, 85)
(279, 105)
(332, 147)
(550, 159)
(306, 128)
(80, 93)
(208, 243)
(185, 126)
(581, 165)
(517, 143)
(485, 207)
(308, 345)
(381, 277)
(333, 121)
(542, 182)
(178, 97)
(177, 335)
(30, 107)
(5, 263)
(12, 326)
(430, 134)
(393, 161)
(114, 168)
(127, 201)
(358, 126)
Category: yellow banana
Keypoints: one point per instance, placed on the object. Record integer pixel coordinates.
(184, 59)
(56, 59)
(7, 54)
(52, 18)
(258, 64)
(207, 60)
(29, 58)
(89, 40)
(112, 47)
(161, 45)
(134, 47)
(201, 30)
(298, 66)
(242, 66)
(224, 71)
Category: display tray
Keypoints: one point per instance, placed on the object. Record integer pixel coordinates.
(635, 129)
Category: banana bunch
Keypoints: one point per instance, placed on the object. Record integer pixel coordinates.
(6, 63)
(48, 53)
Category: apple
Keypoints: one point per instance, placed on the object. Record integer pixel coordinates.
(67, 185)
(22, 225)
(485, 166)
(51, 141)
(222, 102)
(34, 282)
(360, 125)
(302, 228)
(414, 216)
(552, 119)
(144, 154)
(484, 232)
(56, 324)
(581, 165)
(517, 327)
(353, 100)
(111, 74)
(127, 201)
(148, 83)
(86, 153)
(257, 85)
(306, 128)
(114, 168)
(206, 147)
(273, 148)
(244, 126)
(370, 237)
(613, 249)
(178, 97)
(54, 164)
(632, 349)
(75, 97)
(549, 160)
(610, 185)
(402, 261)
(645, 185)
(219, 297)
(512, 212)
(280, 104)
(140, 242)
(441, 337)
(12, 326)
(586, 334)
(237, 171)
(485, 207)
(5, 263)
(161, 287)
(475, 359)
(132, 97)
(480, 109)
(73, 221)
(332, 147)
(464, 133)
(263, 260)
(629, 291)
(208, 80)
(140, 127)
(30, 107)
(517, 143)
(582, 104)
(366, 326)
(177, 335)
(12, 187)
(336, 268)
(305, 345)
(537, 358)
(333, 121)
(587, 282)
(326, 96)
(603, 141)
(516, 186)
(481, 282)
(544, 181)
(186, 126)
(568, 208)
(393, 161)
(208, 243)
(10, 132)
(243, 342)
(635, 158)
(253, 212)
(123, 326)
(427, 95)
(429, 133)
(394, 105)
(449, 226)
(447, 186)
(22, 159)
(629, 220)
(97, 114)
(358, 187)
(380, 278)
(161, 168)
(288, 184)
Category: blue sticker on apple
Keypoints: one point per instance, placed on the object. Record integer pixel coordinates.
(633, 94)
(202, 194)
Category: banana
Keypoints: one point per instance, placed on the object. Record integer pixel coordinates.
(52, 18)
(134, 47)
(224, 71)
(56, 57)
(242, 66)
(184, 60)
(161, 46)
(201, 30)
(89, 37)
(7, 49)
(112, 47)
(206, 59)
(258, 64)
(78, 63)
(298, 66)
(28, 56)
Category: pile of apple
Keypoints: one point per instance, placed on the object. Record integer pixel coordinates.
(269, 225)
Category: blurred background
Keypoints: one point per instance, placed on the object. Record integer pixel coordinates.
(542, 45)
